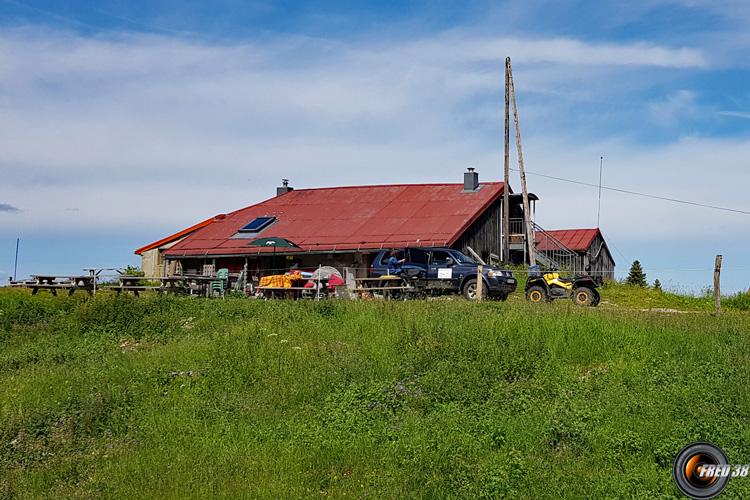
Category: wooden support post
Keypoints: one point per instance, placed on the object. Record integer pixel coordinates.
(317, 287)
(506, 176)
(530, 243)
(480, 282)
(717, 284)
(476, 256)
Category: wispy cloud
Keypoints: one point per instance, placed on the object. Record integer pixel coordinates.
(734, 10)
(174, 119)
(5, 207)
(736, 114)
(674, 107)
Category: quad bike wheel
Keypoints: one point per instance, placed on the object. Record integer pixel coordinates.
(597, 299)
(584, 296)
(536, 295)
(470, 290)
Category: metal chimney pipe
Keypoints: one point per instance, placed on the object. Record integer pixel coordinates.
(471, 179)
(285, 187)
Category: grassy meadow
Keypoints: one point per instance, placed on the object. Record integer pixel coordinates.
(164, 397)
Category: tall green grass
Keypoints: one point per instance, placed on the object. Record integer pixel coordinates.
(178, 397)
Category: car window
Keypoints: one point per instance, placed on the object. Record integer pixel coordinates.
(387, 255)
(440, 258)
(416, 256)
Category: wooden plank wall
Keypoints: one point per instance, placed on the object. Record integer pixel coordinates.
(484, 234)
(604, 265)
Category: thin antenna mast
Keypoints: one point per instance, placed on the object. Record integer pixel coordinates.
(599, 206)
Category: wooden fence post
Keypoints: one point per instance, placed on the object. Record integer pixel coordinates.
(480, 282)
(717, 285)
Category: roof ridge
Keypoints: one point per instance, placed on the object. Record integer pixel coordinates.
(393, 185)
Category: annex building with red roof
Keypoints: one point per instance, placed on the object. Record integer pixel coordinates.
(588, 244)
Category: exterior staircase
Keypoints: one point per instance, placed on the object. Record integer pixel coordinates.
(550, 253)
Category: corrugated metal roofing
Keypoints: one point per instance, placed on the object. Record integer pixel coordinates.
(173, 237)
(578, 240)
(350, 218)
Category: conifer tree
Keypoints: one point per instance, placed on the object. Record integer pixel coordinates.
(657, 285)
(636, 276)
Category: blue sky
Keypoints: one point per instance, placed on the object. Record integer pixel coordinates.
(125, 121)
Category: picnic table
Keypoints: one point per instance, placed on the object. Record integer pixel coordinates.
(173, 284)
(320, 289)
(393, 286)
(177, 284)
(53, 283)
(132, 284)
(198, 283)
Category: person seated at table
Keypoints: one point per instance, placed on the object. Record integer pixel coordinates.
(394, 264)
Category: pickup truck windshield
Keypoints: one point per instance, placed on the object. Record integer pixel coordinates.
(464, 259)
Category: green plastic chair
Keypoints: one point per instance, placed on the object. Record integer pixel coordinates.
(221, 282)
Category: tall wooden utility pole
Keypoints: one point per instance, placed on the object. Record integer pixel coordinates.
(506, 178)
(526, 212)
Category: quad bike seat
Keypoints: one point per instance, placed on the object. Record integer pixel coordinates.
(556, 276)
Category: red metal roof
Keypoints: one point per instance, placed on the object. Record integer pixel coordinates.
(578, 240)
(174, 236)
(350, 218)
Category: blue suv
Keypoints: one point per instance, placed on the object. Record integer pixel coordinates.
(446, 270)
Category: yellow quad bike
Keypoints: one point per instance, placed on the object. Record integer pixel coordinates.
(545, 287)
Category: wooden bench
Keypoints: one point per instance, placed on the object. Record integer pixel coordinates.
(52, 288)
(136, 289)
(367, 289)
(294, 292)
(54, 283)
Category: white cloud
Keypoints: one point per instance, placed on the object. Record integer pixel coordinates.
(733, 10)
(157, 104)
(675, 107)
(153, 131)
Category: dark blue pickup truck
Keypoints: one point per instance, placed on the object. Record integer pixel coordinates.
(445, 270)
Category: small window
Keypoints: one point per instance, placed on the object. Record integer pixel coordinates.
(257, 224)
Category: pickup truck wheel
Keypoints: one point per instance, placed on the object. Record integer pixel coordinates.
(470, 290)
